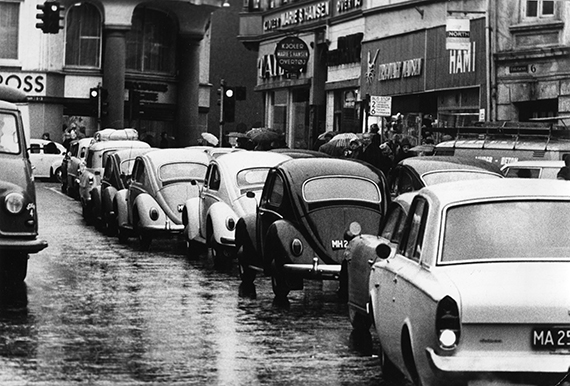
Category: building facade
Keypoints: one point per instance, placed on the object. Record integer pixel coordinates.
(511, 63)
(149, 60)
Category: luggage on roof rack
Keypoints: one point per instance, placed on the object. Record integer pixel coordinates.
(115, 134)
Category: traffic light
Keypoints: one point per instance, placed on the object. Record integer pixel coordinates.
(229, 104)
(103, 100)
(49, 16)
(94, 93)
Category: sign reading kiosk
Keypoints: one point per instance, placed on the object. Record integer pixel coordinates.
(292, 54)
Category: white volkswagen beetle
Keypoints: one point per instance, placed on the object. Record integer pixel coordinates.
(478, 286)
(231, 189)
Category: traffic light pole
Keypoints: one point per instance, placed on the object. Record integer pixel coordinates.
(222, 96)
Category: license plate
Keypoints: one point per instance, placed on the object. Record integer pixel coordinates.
(550, 337)
(339, 244)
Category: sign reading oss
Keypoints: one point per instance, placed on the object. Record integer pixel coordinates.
(292, 54)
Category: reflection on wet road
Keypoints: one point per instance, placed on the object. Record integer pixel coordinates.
(95, 311)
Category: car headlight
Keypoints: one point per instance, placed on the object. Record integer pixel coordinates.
(153, 214)
(14, 203)
(447, 324)
(230, 223)
(91, 180)
(354, 230)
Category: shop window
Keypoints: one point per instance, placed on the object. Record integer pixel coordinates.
(538, 8)
(151, 42)
(83, 36)
(9, 25)
(280, 110)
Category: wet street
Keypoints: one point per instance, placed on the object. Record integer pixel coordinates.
(95, 311)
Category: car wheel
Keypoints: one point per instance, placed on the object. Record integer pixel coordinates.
(87, 214)
(191, 249)
(359, 321)
(56, 176)
(122, 235)
(144, 241)
(409, 360)
(278, 282)
(389, 370)
(246, 274)
(221, 255)
(13, 268)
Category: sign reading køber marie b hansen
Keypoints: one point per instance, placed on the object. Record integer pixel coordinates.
(292, 54)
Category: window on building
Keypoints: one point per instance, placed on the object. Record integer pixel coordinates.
(539, 8)
(9, 17)
(151, 42)
(83, 36)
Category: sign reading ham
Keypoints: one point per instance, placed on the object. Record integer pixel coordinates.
(292, 54)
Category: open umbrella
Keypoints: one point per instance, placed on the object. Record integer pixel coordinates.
(258, 135)
(426, 149)
(342, 139)
(210, 138)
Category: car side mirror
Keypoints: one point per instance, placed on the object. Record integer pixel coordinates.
(383, 251)
(250, 194)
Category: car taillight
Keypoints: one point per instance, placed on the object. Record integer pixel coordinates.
(447, 323)
(153, 214)
(14, 203)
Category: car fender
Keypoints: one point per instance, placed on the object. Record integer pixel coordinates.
(142, 205)
(107, 198)
(120, 207)
(280, 236)
(84, 187)
(218, 214)
(96, 200)
(191, 219)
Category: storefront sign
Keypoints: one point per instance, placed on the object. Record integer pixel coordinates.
(462, 61)
(32, 84)
(518, 69)
(343, 6)
(298, 16)
(402, 69)
(457, 34)
(267, 67)
(292, 54)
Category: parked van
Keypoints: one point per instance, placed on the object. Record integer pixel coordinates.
(18, 217)
(506, 142)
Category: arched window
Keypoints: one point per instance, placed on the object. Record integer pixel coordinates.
(83, 36)
(151, 42)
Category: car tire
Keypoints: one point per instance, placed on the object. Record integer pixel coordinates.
(13, 268)
(278, 282)
(55, 175)
(222, 256)
(359, 321)
(122, 234)
(144, 240)
(246, 273)
(389, 370)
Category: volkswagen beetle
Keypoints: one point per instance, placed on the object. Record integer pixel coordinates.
(298, 230)
(231, 190)
(163, 180)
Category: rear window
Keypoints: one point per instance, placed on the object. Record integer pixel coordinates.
(182, 171)
(252, 177)
(341, 188)
(459, 175)
(9, 141)
(510, 230)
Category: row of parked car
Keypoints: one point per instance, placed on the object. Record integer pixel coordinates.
(460, 271)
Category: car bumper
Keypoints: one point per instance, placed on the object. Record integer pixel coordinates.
(170, 228)
(22, 245)
(314, 271)
(507, 366)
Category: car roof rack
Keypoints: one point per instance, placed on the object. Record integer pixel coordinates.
(538, 128)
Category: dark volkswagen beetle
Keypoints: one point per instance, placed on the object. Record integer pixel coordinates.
(306, 208)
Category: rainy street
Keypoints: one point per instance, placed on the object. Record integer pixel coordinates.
(95, 311)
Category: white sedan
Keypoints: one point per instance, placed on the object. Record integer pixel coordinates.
(46, 158)
(231, 190)
(477, 287)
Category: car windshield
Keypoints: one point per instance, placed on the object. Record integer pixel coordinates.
(127, 166)
(9, 141)
(182, 171)
(334, 188)
(440, 177)
(248, 178)
(508, 230)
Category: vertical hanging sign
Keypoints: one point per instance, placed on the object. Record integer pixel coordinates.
(457, 34)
